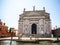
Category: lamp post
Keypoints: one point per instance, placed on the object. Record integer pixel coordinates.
(11, 36)
(57, 34)
(0, 31)
(0, 34)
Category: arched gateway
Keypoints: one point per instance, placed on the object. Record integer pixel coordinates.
(34, 29)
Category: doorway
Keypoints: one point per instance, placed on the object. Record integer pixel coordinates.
(34, 29)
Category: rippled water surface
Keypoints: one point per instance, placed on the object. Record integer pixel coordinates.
(19, 43)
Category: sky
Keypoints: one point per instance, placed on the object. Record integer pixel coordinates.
(11, 9)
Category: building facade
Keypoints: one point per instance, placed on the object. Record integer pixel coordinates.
(4, 30)
(56, 32)
(35, 22)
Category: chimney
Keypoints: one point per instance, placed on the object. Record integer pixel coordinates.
(0, 22)
(4, 23)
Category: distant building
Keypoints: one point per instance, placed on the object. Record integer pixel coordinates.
(4, 30)
(56, 32)
(15, 31)
(12, 30)
(36, 22)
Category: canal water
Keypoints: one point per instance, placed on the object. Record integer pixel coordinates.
(19, 43)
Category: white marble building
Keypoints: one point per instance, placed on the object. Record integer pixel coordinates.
(34, 22)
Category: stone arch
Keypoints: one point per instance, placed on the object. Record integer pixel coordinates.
(34, 29)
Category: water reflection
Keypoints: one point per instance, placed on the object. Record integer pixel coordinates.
(19, 43)
(8, 43)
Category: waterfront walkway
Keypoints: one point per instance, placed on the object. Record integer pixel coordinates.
(9, 38)
(30, 39)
